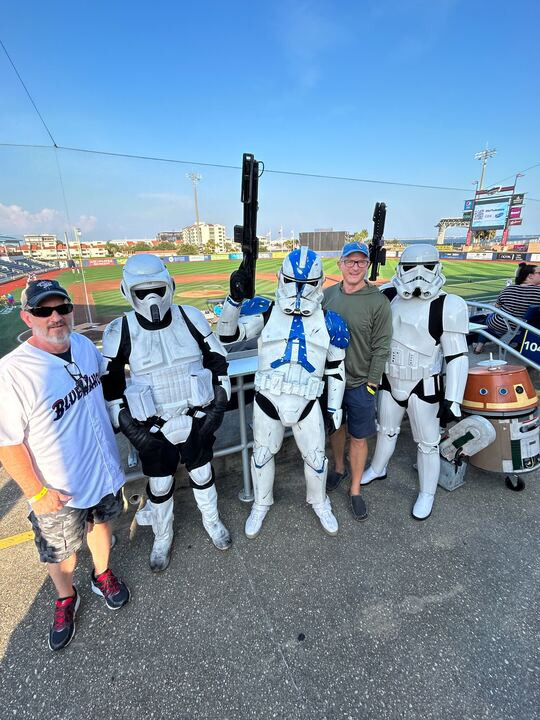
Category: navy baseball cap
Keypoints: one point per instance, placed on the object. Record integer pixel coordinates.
(353, 247)
(38, 290)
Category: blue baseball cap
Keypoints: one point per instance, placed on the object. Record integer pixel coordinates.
(354, 247)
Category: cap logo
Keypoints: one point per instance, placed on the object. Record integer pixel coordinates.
(44, 284)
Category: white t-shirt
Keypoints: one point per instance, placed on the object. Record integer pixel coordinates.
(64, 424)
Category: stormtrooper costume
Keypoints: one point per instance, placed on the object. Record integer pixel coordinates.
(174, 401)
(299, 347)
(429, 332)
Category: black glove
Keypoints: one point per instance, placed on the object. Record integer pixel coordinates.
(445, 413)
(240, 284)
(214, 412)
(329, 423)
(158, 456)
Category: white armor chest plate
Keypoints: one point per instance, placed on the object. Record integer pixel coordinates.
(169, 360)
(292, 354)
(414, 354)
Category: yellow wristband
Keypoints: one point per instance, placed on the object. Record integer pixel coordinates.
(370, 390)
(44, 490)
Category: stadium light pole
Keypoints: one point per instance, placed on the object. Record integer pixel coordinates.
(484, 155)
(196, 178)
(77, 233)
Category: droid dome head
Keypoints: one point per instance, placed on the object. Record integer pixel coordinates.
(419, 273)
(300, 282)
(147, 286)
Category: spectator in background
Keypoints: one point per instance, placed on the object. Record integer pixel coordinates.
(514, 299)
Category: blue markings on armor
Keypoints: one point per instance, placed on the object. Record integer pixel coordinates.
(337, 329)
(255, 306)
(296, 336)
(302, 273)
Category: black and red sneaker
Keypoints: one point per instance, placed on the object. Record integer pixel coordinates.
(114, 590)
(63, 628)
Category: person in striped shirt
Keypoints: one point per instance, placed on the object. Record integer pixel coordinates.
(515, 299)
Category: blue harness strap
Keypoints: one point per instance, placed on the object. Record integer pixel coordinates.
(296, 336)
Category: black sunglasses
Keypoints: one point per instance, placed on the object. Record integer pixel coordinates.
(43, 312)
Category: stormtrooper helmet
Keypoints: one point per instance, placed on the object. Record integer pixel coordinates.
(419, 273)
(300, 282)
(147, 286)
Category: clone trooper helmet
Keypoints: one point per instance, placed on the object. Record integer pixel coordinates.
(419, 273)
(148, 287)
(300, 282)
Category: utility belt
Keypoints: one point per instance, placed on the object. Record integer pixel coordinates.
(405, 372)
(174, 420)
(275, 384)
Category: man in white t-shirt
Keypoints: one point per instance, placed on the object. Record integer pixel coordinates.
(57, 443)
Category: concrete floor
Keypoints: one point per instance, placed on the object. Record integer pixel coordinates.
(390, 619)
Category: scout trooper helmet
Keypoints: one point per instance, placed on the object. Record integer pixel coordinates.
(147, 286)
(419, 273)
(300, 282)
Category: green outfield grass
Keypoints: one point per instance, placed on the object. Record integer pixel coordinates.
(472, 280)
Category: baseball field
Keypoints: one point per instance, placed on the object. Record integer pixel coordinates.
(203, 283)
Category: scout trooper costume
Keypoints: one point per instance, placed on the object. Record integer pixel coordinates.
(175, 399)
(299, 345)
(429, 331)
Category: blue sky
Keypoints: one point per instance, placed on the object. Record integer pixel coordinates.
(405, 91)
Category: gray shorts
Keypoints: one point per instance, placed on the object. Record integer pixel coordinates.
(58, 535)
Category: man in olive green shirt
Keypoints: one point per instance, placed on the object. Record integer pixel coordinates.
(368, 316)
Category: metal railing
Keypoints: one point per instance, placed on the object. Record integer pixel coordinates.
(512, 324)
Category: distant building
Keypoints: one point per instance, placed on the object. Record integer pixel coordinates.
(201, 234)
(324, 239)
(174, 236)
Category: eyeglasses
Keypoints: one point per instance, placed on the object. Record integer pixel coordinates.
(75, 373)
(47, 311)
(352, 263)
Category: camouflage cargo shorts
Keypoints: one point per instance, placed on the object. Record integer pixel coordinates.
(59, 535)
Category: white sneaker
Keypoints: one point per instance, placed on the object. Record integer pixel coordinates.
(326, 516)
(255, 520)
(422, 506)
(370, 475)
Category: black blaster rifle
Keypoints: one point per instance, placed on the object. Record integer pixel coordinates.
(243, 279)
(377, 253)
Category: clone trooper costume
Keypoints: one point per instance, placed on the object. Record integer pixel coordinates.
(175, 399)
(429, 333)
(299, 346)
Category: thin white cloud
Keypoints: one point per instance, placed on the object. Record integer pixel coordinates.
(16, 219)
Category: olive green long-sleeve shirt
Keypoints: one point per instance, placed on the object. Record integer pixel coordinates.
(369, 318)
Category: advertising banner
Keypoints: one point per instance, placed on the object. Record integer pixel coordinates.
(99, 261)
(515, 212)
(220, 256)
(479, 256)
(515, 221)
(490, 215)
(235, 256)
(197, 258)
(518, 199)
(468, 205)
(535, 257)
(454, 255)
(511, 256)
(265, 255)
